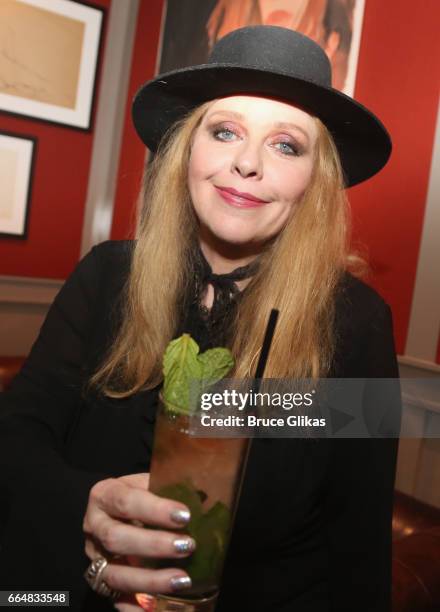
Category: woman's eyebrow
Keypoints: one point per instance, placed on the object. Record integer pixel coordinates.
(285, 125)
(282, 125)
(228, 114)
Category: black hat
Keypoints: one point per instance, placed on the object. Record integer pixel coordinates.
(267, 61)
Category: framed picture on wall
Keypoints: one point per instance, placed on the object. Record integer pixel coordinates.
(191, 28)
(49, 57)
(17, 156)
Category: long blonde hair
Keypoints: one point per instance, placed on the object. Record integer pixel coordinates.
(298, 274)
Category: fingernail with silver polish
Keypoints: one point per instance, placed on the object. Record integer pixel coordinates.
(180, 582)
(180, 516)
(184, 545)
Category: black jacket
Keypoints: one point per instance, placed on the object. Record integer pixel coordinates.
(313, 528)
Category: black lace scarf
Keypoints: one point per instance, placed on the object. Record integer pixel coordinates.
(216, 322)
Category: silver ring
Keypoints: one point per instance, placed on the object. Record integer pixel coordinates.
(93, 576)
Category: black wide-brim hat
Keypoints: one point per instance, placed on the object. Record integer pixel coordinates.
(275, 62)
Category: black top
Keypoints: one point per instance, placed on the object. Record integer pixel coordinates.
(313, 528)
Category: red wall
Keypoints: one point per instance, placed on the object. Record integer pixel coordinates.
(133, 150)
(397, 78)
(397, 63)
(58, 195)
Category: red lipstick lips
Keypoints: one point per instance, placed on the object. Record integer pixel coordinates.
(239, 198)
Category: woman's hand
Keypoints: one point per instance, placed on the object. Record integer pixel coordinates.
(113, 506)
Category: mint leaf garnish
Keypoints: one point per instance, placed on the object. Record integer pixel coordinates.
(183, 365)
(180, 365)
(215, 364)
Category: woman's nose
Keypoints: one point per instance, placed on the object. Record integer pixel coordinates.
(247, 161)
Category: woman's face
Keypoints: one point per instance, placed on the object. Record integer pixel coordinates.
(251, 161)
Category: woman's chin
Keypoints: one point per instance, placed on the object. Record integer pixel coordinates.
(238, 234)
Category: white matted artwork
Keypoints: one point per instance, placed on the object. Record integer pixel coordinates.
(17, 155)
(48, 58)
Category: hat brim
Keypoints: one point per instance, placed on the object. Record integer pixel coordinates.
(363, 143)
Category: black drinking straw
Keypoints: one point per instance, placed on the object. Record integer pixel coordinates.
(261, 365)
(267, 341)
(270, 329)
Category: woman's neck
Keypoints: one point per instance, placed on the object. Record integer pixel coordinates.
(225, 260)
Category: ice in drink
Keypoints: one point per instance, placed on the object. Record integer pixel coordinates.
(204, 474)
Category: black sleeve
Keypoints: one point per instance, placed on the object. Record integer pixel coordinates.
(359, 503)
(44, 499)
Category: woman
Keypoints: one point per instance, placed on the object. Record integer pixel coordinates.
(244, 211)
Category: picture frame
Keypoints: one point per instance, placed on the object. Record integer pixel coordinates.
(48, 66)
(17, 162)
(190, 29)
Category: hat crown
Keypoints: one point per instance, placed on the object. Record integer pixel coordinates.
(274, 49)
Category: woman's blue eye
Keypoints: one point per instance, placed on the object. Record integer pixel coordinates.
(287, 148)
(223, 134)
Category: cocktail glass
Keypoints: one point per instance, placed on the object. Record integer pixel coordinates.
(206, 475)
